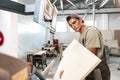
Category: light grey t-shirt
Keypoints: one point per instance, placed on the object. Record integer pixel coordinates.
(92, 38)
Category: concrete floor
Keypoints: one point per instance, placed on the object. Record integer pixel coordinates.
(114, 63)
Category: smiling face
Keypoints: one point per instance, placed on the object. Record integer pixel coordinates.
(76, 24)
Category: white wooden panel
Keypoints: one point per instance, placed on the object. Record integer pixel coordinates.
(77, 62)
(107, 34)
(111, 43)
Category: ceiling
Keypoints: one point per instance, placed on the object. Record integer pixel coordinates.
(79, 4)
(67, 6)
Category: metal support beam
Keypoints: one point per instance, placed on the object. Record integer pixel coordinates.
(85, 14)
(72, 3)
(61, 3)
(54, 2)
(103, 3)
(93, 13)
(100, 11)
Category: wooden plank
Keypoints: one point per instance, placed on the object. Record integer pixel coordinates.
(117, 35)
(14, 68)
(77, 62)
(21, 75)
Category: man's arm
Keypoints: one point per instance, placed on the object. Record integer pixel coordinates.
(93, 50)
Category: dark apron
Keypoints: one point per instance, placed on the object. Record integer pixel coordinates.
(104, 72)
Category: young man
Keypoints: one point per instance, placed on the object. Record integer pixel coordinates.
(91, 38)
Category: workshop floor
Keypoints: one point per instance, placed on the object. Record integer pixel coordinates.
(114, 63)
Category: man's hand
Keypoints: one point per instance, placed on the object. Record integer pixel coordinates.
(61, 73)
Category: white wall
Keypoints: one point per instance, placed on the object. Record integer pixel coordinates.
(27, 40)
(8, 26)
(21, 34)
(103, 22)
(31, 35)
(66, 37)
(114, 21)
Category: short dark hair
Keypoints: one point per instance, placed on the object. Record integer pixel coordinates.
(74, 16)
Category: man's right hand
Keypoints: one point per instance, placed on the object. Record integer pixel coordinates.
(61, 73)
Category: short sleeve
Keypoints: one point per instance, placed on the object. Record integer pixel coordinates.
(92, 39)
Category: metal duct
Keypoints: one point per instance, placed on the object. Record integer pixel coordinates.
(14, 7)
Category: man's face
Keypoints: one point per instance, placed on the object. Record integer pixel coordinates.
(75, 24)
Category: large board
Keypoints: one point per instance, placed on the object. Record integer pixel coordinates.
(77, 62)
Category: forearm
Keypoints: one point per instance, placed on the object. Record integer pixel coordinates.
(93, 50)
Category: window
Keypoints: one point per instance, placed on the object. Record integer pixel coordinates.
(90, 23)
(61, 26)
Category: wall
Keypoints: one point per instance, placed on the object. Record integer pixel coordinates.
(103, 22)
(114, 21)
(21, 34)
(8, 26)
(66, 37)
(31, 35)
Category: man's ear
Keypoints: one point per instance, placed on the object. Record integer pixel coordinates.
(82, 21)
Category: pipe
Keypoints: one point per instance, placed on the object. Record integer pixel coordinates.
(93, 13)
